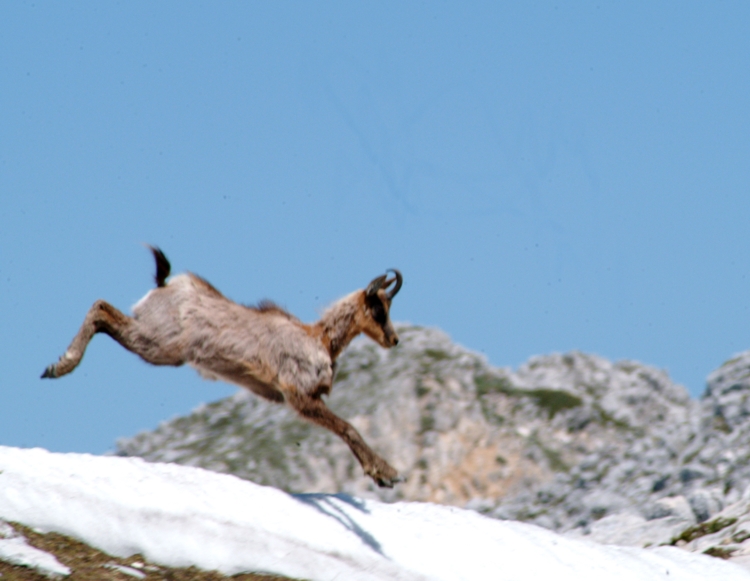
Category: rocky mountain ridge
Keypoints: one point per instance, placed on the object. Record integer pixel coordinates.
(572, 442)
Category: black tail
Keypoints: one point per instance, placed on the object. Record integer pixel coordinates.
(162, 266)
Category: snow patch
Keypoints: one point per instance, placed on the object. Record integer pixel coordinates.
(15, 550)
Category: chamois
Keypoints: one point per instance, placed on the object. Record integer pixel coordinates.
(264, 349)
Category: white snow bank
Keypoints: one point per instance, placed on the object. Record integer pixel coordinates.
(180, 516)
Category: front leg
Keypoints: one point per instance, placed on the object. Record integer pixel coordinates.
(314, 409)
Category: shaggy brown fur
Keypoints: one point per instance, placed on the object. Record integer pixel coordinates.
(264, 349)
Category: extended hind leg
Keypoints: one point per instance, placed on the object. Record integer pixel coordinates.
(101, 318)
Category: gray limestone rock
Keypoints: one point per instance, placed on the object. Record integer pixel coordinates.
(613, 451)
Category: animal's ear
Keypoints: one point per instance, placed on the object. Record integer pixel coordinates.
(375, 285)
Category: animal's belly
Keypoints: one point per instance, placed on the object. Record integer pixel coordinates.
(246, 380)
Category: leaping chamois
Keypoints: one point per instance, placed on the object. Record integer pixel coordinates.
(264, 349)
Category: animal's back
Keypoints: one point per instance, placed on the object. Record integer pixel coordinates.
(212, 328)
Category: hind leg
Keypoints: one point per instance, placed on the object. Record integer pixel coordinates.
(104, 318)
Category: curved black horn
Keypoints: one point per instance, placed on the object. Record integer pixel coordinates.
(376, 284)
(399, 281)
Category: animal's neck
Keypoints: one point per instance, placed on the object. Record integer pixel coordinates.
(338, 325)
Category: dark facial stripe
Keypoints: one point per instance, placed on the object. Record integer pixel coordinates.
(379, 314)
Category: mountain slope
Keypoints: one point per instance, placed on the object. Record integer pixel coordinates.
(562, 441)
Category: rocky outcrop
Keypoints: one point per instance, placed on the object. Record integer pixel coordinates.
(613, 452)
(568, 441)
(697, 494)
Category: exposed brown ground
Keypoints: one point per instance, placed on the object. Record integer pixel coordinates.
(89, 564)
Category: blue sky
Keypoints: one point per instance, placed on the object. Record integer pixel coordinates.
(547, 178)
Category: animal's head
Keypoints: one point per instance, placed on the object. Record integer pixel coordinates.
(377, 321)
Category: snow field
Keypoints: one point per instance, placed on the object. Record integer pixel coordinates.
(180, 516)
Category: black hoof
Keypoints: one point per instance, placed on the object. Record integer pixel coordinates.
(49, 372)
(390, 482)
